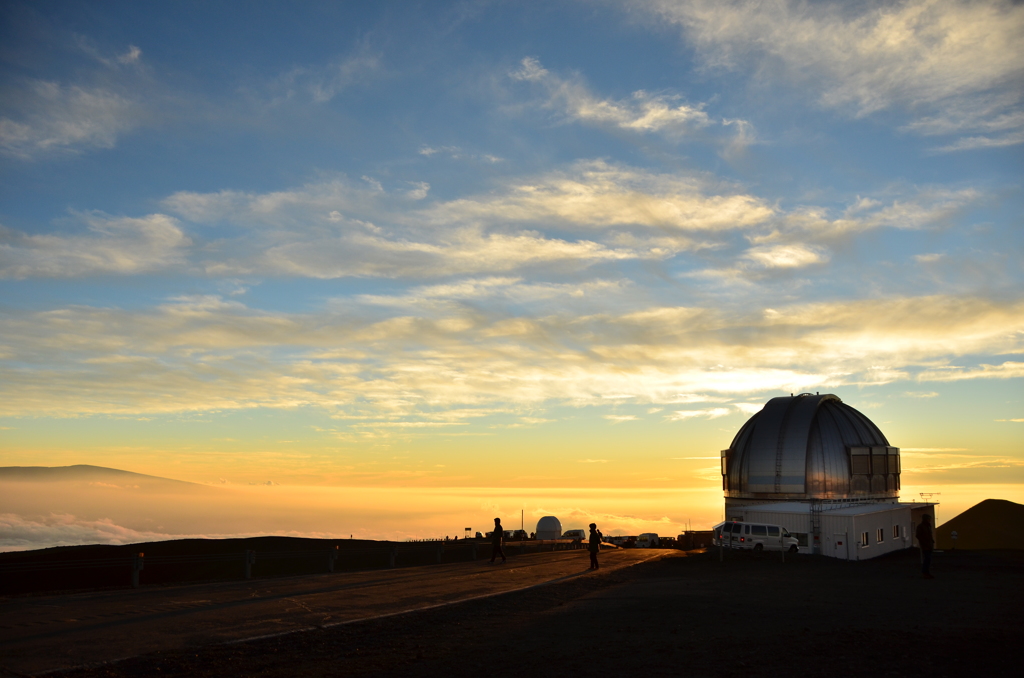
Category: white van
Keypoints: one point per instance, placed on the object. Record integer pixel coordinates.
(648, 540)
(575, 534)
(755, 536)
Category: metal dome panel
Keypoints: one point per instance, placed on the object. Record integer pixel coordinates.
(800, 447)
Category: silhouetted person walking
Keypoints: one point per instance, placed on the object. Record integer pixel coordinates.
(497, 537)
(594, 546)
(927, 543)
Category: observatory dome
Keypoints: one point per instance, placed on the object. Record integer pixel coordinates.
(809, 447)
(549, 527)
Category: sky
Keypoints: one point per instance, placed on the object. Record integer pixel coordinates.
(543, 256)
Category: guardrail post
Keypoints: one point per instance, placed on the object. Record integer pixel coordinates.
(391, 557)
(332, 555)
(250, 558)
(137, 563)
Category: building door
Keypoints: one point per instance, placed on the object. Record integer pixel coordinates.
(840, 548)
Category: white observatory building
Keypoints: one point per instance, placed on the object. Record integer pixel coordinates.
(825, 472)
(549, 527)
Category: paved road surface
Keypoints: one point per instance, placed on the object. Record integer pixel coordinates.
(46, 633)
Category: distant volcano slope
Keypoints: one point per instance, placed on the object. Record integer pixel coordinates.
(988, 525)
(84, 473)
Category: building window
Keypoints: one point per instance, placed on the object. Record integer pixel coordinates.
(863, 539)
(880, 535)
(895, 531)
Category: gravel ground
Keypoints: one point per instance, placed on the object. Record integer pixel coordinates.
(747, 616)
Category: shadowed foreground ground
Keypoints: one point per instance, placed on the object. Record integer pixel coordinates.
(681, 615)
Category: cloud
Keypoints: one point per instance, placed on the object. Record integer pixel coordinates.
(132, 56)
(457, 153)
(322, 83)
(642, 112)
(1007, 370)
(20, 533)
(49, 117)
(710, 413)
(497, 288)
(399, 368)
(921, 209)
(786, 256)
(619, 418)
(601, 212)
(597, 194)
(113, 245)
(306, 232)
(420, 191)
(933, 450)
(342, 228)
(976, 462)
(327, 83)
(466, 251)
(954, 65)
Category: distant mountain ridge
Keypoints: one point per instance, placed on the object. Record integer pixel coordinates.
(983, 526)
(77, 472)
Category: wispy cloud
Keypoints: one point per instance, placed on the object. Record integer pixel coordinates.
(207, 352)
(458, 153)
(953, 65)
(599, 194)
(643, 112)
(112, 245)
(619, 418)
(307, 232)
(786, 256)
(709, 413)
(321, 83)
(1006, 370)
(45, 117)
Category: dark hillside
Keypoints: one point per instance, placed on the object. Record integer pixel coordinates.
(983, 526)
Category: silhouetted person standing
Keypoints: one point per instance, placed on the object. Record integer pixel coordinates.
(594, 546)
(927, 543)
(497, 537)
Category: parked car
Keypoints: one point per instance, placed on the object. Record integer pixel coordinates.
(575, 534)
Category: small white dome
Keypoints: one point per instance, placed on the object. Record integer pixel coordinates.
(549, 527)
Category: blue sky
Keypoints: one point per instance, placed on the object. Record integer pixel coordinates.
(385, 243)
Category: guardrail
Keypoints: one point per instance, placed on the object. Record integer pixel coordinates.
(386, 556)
